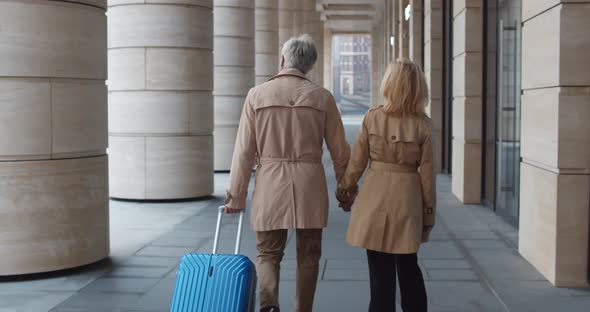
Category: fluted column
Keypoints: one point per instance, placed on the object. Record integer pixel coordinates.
(267, 39)
(234, 58)
(160, 102)
(53, 135)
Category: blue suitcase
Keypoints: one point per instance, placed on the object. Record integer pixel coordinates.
(216, 282)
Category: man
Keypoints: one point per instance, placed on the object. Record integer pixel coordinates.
(283, 126)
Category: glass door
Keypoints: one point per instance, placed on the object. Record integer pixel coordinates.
(508, 109)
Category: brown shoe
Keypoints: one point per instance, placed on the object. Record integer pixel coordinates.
(270, 309)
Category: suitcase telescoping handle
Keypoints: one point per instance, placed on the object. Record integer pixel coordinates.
(218, 230)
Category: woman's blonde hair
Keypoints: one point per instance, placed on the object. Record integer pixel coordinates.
(404, 89)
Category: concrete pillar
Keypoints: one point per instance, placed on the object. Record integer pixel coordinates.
(286, 15)
(327, 62)
(310, 27)
(234, 59)
(433, 69)
(160, 102)
(320, 44)
(395, 21)
(375, 66)
(403, 29)
(415, 40)
(555, 167)
(267, 39)
(467, 101)
(298, 22)
(53, 135)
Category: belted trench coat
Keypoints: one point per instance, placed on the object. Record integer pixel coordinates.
(283, 127)
(396, 201)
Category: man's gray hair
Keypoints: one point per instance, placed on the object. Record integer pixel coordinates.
(300, 52)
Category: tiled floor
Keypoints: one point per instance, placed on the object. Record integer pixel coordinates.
(471, 264)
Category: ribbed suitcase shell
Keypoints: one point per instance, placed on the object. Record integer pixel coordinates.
(214, 283)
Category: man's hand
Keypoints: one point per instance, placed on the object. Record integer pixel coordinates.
(229, 210)
(346, 206)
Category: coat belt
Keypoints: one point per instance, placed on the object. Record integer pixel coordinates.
(268, 160)
(378, 165)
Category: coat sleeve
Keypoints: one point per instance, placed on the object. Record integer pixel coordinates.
(358, 163)
(244, 157)
(428, 180)
(336, 139)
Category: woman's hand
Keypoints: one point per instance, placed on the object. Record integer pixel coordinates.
(229, 210)
(346, 206)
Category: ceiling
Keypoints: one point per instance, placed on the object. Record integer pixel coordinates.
(348, 16)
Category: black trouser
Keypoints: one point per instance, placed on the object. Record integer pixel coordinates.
(382, 271)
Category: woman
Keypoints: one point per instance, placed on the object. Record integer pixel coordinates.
(394, 211)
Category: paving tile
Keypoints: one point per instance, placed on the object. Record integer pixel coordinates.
(26, 301)
(149, 261)
(439, 250)
(446, 264)
(121, 285)
(164, 251)
(484, 244)
(158, 298)
(460, 296)
(99, 301)
(452, 274)
(141, 272)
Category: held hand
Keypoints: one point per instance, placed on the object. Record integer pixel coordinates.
(346, 206)
(229, 210)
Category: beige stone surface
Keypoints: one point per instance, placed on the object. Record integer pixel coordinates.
(225, 138)
(54, 214)
(234, 51)
(178, 69)
(127, 69)
(467, 118)
(96, 3)
(266, 18)
(79, 116)
(203, 3)
(466, 168)
(563, 55)
(460, 5)
(467, 31)
(554, 130)
(127, 170)
(179, 167)
(160, 98)
(467, 74)
(531, 8)
(160, 26)
(553, 232)
(72, 48)
(25, 112)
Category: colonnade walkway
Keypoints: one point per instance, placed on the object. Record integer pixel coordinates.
(471, 264)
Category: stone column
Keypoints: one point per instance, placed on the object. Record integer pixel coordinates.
(310, 27)
(53, 135)
(375, 65)
(267, 39)
(234, 59)
(298, 12)
(555, 167)
(467, 102)
(160, 102)
(327, 60)
(320, 44)
(286, 8)
(415, 40)
(404, 30)
(433, 64)
(395, 21)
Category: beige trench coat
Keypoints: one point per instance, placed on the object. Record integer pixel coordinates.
(397, 197)
(283, 125)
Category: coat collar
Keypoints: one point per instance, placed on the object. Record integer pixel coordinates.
(290, 72)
